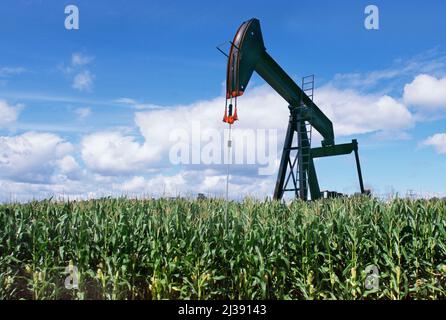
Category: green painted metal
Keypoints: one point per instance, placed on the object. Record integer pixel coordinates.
(336, 150)
(248, 54)
(272, 73)
(307, 164)
(339, 150)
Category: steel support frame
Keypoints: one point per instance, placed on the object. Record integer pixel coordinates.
(306, 172)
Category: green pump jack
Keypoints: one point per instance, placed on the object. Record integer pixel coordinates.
(297, 173)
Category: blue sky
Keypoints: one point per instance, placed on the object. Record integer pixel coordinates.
(71, 94)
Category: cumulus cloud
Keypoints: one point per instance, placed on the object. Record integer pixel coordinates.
(351, 113)
(68, 164)
(83, 81)
(59, 188)
(120, 154)
(82, 78)
(192, 182)
(79, 59)
(438, 142)
(115, 162)
(426, 92)
(111, 153)
(9, 113)
(31, 157)
(159, 184)
(185, 183)
(355, 113)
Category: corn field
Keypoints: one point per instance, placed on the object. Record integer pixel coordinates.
(210, 249)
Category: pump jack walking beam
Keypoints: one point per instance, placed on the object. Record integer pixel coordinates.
(248, 54)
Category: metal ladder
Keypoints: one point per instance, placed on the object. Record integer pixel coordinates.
(308, 89)
(304, 144)
(303, 148)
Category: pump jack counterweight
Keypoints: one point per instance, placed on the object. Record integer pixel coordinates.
(248, 54)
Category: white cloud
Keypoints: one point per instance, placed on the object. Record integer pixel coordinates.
(79, 59)
(11, 71)
(185, 183)
(83, 81)
(430, 62)
(83, 112)
(67, 164)
(117, 162)
(59, 187)
(115, 153)
(111, 153)
(355, 113)
(426, 92)
(191, 182)
(126, 101)
(159, 184)
(31, 156)
(67, 169)
(438, 142)
(8, 113)
(368, 79)
(82, 78)
(135, 184)
(351, 113)
(135, 104)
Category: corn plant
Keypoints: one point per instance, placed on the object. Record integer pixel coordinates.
(185, 249)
